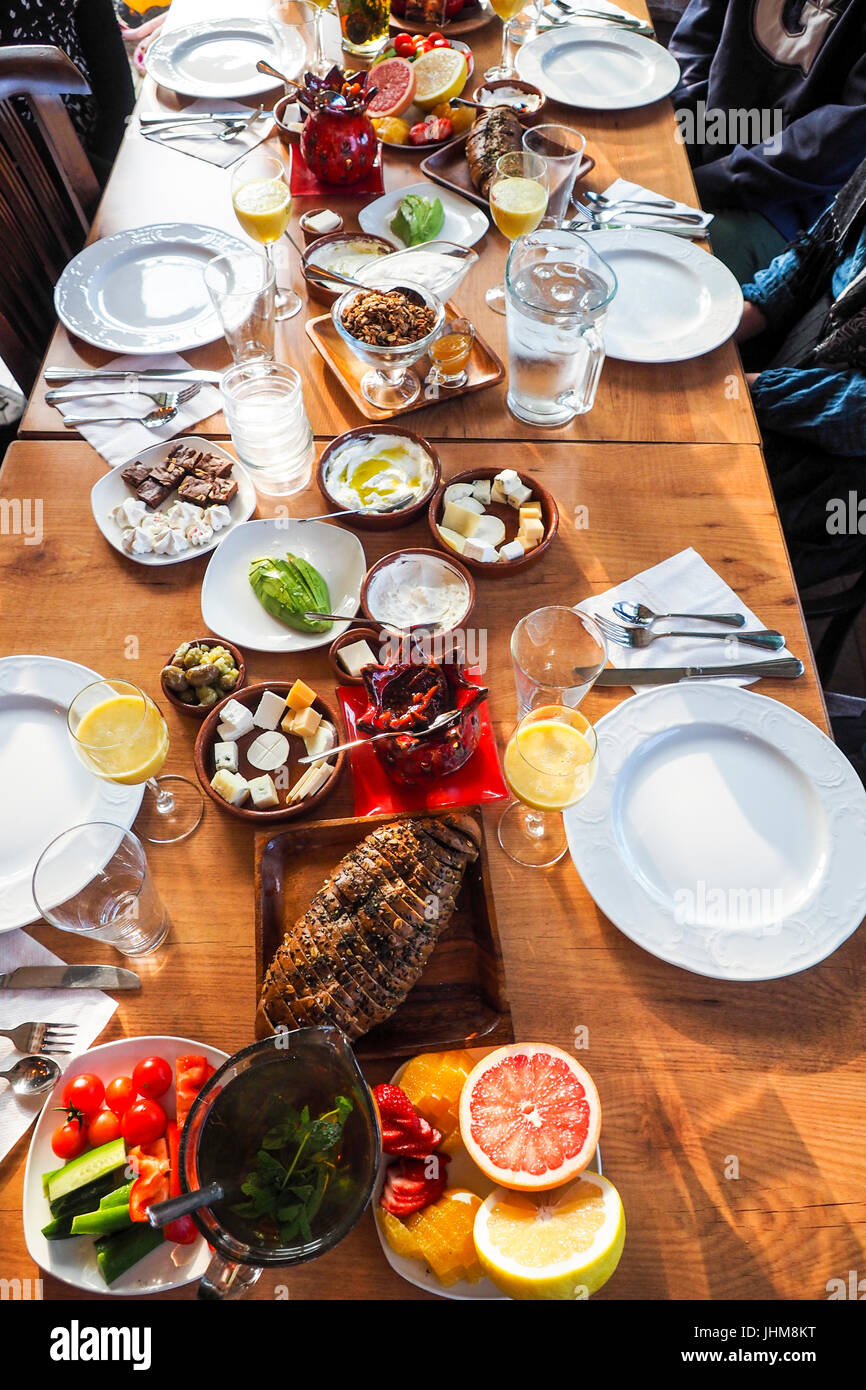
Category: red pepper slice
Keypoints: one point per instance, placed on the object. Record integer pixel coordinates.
(150, 1162)
(183, 1231)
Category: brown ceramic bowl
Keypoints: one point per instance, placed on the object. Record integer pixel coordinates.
(396, 555)
(309, 235)
(204, 763)
(288, 136)
(525, 117)
(199, 711)
(371, 635)
(502, 568)
(378, 521)
(320, 292)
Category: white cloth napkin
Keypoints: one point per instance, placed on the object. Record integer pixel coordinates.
(122, 442)
(624, 188)
(685, 583)
(223, 153)
(89, 1009)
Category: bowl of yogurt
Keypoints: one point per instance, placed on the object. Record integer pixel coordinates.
(344, 253)
(381, 476)
(418, 588)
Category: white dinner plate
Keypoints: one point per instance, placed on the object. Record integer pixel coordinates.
(74, 1260)
(230, 608)
(463, 223)
(603, 69)
(143, 290)
(111, 490)
(214, 58)
(724, 833)
(47, 788)
(674, 301)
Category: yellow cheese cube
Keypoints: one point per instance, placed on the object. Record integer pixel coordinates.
(288, 720)
(532, 529)
(529, 509)
(300, 696)
(460, 519)
(307, 722)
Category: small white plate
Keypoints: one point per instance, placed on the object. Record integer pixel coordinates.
(74, 1260)
(724, 833)
(463, 223)
(230, 608)
(37, 753)
(143, 290)
(603, 69)
(214, 58)
(674, 301)
(111, 490)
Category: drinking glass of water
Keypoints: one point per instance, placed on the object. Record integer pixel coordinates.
(94, 880)
(242, 287)
(563, 149)
(557, 293)
(264, 408)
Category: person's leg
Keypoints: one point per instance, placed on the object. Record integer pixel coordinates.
(812, 492)
(109, 76)
(745, 241)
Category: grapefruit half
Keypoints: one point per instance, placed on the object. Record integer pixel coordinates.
(395, 82)
(530, 1116)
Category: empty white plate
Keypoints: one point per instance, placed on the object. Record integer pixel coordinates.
(47, 788)
(603, 69)
(229, 606)
(673, 301)
(724, 833)
(214, 58)
(463, 223)
(143, 290)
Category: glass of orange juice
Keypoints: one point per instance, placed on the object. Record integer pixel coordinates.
(518, 202)
(506, 10)
(262, 200)
(120, 735)
(550, 763)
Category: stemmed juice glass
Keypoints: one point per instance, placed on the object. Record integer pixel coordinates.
(262, 200)
(518, 202)
(120, 735)
(506, 10)
(550, 763)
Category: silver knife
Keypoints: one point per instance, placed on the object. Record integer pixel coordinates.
(70, 977)
(152, 374)
(789, 667)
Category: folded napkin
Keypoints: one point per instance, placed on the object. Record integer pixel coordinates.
(591, 20)
(683, 584)
(89, 1009)
(206, 146)
(122, 442)
(624, 188)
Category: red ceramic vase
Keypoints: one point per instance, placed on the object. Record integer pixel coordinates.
(338, 146)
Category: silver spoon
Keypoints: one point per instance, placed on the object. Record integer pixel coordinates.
(163, 415)
(639, 613)
(30, 1076)
(441, 720)
(604, 201)
(367, 511)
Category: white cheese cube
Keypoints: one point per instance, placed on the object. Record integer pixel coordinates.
(355, 655)
(508, 477)
(497, 493)
(489, 531)
(324, 738)
(231, 787)
(478, 550)
(322, 222)
(270, 709)
(226, 757)
(452, 538)
(263, 792)
(481, 491)
(512, 551)
(234, 713)
(453, 492)
(460, 518)
(518, 496)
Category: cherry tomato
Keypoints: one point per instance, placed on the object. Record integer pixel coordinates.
(403, 45)
(441, 43)
(69, 1140)
(85, 1092)
(436, 34)
(143, 1122)
(152, 1077)
(119, 1094)
(103, 1127)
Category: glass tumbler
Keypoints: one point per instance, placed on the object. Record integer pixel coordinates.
(264, 408)
(563, 149)
(242, 286)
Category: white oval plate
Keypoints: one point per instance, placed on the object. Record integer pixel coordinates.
(74, 1260)
(724, 833)
(48, 789)
(463, 223)
(214, 58)
(674, 301)
(111, 490)
(143, 290)
(230, 608)
(462, 1172)
(603, 69)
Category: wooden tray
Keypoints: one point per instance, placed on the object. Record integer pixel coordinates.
(460, 1000)
(484, 368)
(447, 166)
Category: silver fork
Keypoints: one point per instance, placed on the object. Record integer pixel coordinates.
(167, 400)
(641, 636)
(41, 1037)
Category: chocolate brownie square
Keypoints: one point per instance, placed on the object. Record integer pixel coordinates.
(195, 490)
(153, 493)
(134, 474)
(170, 474)
(222, 491)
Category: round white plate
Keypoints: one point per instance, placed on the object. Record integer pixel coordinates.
(111, 490)
(463, 223)
(74, 1260)
(724, 833)
(673, 302)
(47, 789)
(143, 290)
(462, 1172)
(603, 69)
(230, 608)
(214, 58)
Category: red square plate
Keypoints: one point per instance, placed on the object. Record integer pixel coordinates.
(304, 183)
(480, 779)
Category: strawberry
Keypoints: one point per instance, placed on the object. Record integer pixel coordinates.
(408, 1188)
(404, 1131)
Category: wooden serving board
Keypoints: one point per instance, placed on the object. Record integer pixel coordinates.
(460, 1000)
(447, 166)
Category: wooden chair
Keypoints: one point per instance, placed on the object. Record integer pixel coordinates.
(48, 193)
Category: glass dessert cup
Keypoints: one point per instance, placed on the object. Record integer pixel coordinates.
(390, 384)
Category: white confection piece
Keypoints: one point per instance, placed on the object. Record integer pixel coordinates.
(477, 550)
(489, 531)
(461, 518)
(184, 514)
(162, 539)
(455, 491)
(226, 757)
(198, 534)
(355, 655)
(129, 513)
(177, 543)
(518, 495)
(481, 491)
(270, 710)
(322, 222)
(231, 787)
(127, 537)
(217, 517)
(268, 751)
(324, 738)
(142, 542)
(263, 793)
(512, 551)
(452, 538)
